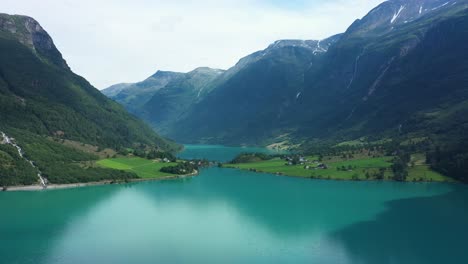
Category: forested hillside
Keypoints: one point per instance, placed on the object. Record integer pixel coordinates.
(399, 73)
(41, 99)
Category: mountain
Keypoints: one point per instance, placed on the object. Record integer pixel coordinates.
(399, 74)
(43, 104)
(400, 69)
(393, 13)
(170, 104)
(165, 97)
(133, 96)
(250, 97)
(115, 89)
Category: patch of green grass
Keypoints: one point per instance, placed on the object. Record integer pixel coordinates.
(365, 163)
(144, 168)
(361, 142)
(352, 143)
(361, 167)
(415, 140)
(424, 173)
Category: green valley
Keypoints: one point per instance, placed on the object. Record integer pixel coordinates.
(348, 149)
(394, 82)
(144, 168)
(358, 167)
(387, 78)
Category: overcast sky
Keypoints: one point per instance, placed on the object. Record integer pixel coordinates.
(113, 41)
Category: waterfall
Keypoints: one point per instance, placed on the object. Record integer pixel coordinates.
(9, 141)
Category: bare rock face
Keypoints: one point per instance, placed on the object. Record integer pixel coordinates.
(39, 37)
(30, 33)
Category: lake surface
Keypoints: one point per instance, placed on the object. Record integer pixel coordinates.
(220, 153)
(230, 216)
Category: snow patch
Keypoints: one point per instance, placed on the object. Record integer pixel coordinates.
(396, 15)
(319, 49)
(435, 8)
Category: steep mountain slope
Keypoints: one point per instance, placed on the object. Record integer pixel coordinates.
(250, 100)
(40, 99)
(390, 72)
(170, 104)
(402, 61)
(165, 97)
(134, 96)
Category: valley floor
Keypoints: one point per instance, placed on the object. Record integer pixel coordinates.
(78, 185)
(146, 170)
(338, 168)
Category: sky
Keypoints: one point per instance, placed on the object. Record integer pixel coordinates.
(115, 41)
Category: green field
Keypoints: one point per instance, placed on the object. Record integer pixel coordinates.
(360, 167)
(424, 173)
(146, 169)
(278, 166)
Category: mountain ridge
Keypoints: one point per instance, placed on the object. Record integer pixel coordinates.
(302, 90)
(43, 104)
(296, 91)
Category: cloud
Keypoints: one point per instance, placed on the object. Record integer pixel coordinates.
(111, 41)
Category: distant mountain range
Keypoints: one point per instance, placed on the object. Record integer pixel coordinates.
(400, 70)
(42, 102)
(163, 107)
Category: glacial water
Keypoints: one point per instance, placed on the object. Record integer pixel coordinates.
(231, 216)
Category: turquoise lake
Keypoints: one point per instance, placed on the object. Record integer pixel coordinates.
(231, 216)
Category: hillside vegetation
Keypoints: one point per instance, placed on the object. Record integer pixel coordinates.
(41, 99)
(400, 73)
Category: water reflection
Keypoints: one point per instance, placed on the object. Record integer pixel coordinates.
(31, 221)
(220, 153)
(289, 206)
(231, 216)
(411, 231)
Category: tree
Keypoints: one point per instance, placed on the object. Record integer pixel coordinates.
(400, 169)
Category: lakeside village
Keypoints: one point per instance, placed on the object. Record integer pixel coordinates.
(301, 160)
(308, 163)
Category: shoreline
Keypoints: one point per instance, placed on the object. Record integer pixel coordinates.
(32, 188)
(336, 179)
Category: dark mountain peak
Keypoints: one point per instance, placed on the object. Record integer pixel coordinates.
(315, 47)
(30, 33)
(392, 13)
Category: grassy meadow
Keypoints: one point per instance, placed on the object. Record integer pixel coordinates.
(144, 168)
(358, 168)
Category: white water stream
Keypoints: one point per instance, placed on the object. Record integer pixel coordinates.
(9, 141)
